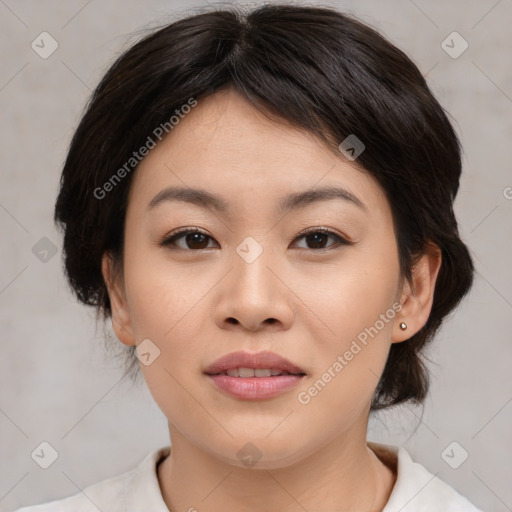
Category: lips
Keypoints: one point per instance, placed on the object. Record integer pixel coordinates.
(260, 376)
(245, 361)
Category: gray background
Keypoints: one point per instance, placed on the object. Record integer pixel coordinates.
(57, 384)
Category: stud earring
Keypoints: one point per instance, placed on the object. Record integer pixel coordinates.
(403, 326)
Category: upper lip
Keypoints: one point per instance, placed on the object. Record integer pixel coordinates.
(263, 359)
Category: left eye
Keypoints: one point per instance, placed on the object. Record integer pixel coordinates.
(316, 238)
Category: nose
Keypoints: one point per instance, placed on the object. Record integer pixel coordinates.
(254, 296)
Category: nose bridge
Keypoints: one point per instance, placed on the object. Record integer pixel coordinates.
(253, 295)
(253, 279)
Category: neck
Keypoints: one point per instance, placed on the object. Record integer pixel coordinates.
(342, 476)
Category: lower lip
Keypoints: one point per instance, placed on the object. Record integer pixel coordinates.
(255, 388)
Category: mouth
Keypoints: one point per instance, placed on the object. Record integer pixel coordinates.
(254, 376)
(245, 373)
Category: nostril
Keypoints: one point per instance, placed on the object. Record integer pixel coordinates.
(234, 321)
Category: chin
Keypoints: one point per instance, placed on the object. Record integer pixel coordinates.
(261, 453)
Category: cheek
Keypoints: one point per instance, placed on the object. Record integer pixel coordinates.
(171, 311)
(163, 296)
(167, 306)
(349, 296)
(354, 302)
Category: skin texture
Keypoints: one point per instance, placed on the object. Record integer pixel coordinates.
(313, 455)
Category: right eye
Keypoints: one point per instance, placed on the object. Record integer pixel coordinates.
(193, 239)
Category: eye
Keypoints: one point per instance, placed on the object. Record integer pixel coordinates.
(193, 239)
(316, 238)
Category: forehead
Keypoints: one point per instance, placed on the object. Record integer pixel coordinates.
(227, 146)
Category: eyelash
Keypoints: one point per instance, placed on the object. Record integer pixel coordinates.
(170, 240)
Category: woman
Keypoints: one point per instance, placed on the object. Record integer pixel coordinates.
(263, 205)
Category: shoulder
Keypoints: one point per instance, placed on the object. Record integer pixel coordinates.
(118, 494)
(92, 498)
(418, 490)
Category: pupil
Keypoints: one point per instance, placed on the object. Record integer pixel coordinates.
(196, 238)
(318, 238)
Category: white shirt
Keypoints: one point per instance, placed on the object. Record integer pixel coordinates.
(138, 490)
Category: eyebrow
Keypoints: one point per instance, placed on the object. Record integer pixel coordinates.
(294, 201)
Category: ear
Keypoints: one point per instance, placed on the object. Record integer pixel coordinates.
(417, 297)
(121, 322)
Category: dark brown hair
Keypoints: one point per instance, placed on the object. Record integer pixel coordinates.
(325, 72)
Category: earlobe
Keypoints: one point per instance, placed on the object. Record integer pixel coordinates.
(418, 295)
(121, 323)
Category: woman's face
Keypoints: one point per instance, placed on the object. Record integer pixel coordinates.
(253, 282)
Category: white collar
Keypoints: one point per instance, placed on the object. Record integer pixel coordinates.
(415, 489)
